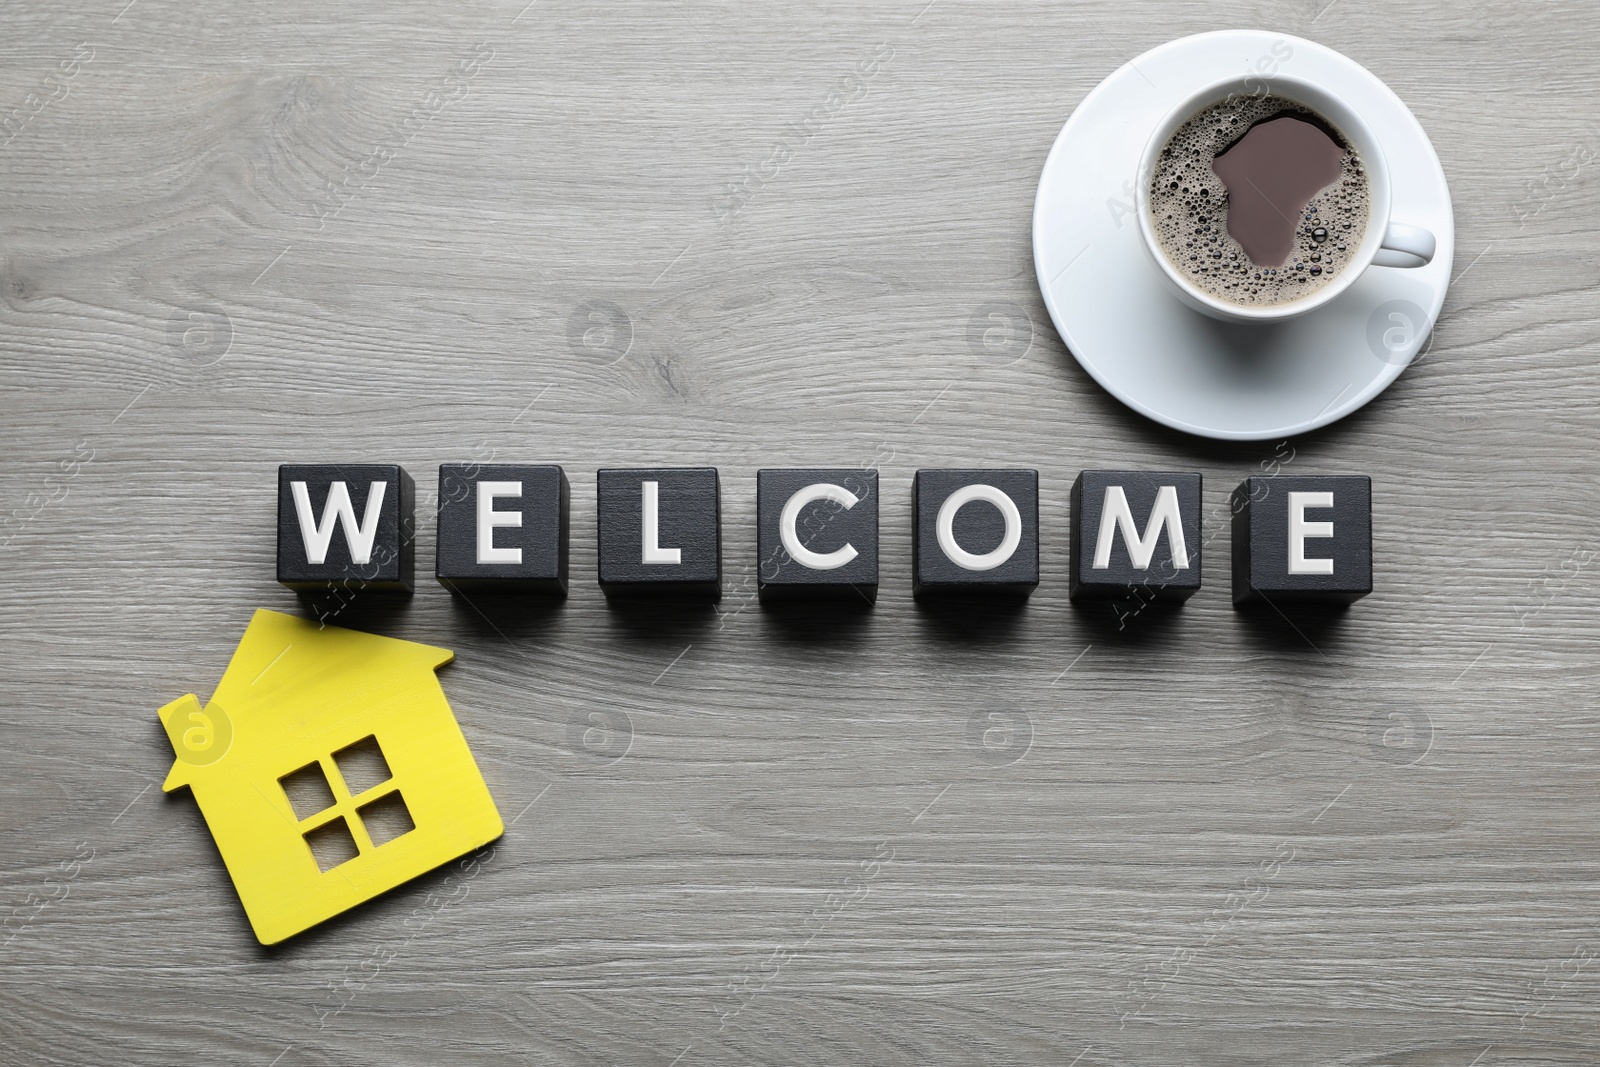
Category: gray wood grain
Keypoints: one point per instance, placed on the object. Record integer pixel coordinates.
(239, 235)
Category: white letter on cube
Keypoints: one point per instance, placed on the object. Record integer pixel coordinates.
(1300, 529)
(490, 520)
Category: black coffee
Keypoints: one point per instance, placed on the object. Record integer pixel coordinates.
(1258, 201)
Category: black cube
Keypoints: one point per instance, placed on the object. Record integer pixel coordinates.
(975, 533)
(660, 532)
(1304, 538)
(817, 534)
(349, 526)
(503, 527)
(1135, 533)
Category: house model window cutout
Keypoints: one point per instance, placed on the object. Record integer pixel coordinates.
(329, 768)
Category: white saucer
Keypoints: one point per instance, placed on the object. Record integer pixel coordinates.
(1174, 365)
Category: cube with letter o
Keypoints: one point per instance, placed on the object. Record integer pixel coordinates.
(975, 533)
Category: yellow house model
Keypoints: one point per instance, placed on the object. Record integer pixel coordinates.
(329, 769)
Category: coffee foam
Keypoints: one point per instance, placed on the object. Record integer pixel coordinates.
(1189, 206)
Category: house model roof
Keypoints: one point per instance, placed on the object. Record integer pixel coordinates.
(291, 674)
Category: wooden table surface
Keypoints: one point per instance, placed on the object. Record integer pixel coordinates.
(236, 235)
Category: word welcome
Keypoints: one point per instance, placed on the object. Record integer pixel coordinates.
(975, 533)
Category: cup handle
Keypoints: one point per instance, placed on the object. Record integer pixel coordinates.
(1405, 246)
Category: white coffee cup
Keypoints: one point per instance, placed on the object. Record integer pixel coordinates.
(1385, 244)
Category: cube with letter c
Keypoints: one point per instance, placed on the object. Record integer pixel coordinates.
(503, 526)
(817, 534)
(975, 533)
(1302, 538)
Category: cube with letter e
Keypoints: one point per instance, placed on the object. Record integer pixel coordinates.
(503, 526)
(345, 526)
(1302, 538)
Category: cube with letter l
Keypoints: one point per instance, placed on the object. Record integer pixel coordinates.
(660, 532)
(345, 525)
(1300, 538)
